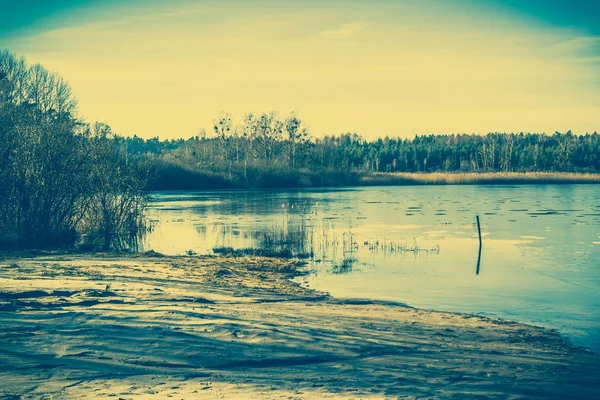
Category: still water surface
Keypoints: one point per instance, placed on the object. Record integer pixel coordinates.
(540, 260)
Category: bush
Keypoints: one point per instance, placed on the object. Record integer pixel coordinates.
(63, 181)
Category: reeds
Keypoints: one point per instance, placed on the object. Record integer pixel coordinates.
(303, 236)
(292, 238)
(389, 247)
(472, 178)
(344, 267)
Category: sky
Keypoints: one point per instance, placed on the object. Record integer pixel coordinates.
(378, 67)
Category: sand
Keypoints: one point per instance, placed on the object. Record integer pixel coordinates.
(141, 327)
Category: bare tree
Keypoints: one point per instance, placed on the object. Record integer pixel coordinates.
(53, 172)
(223, 128)
(297, 135)
(269, 130)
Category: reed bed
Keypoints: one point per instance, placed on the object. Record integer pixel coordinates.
(346, 266)
(388, 247)
(303, 236)
(473, 178)
(292, 238)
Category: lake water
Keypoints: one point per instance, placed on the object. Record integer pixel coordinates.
(540, 260)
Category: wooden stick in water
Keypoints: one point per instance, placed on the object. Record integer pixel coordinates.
(478, 229)
(480, 245)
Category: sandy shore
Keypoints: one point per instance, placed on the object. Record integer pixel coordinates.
(77, 327)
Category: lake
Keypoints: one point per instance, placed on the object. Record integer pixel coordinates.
(540, 259)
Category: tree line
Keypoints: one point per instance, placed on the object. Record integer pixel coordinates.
(267, 146)
(63, 182)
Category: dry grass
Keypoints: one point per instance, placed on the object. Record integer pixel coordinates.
(488, 178)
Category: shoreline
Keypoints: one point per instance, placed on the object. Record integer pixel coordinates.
(203, 180)
(482, 178)
(77, 325)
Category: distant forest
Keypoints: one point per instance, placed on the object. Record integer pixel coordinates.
(269, 151)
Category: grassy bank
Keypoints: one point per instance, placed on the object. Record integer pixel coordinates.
(175, 177)
(172, 177)
(103, 326)
(474, 178)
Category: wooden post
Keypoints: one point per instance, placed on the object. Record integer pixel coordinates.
(478, 229)
(480, 245)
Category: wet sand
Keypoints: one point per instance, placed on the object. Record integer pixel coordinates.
(106, 326)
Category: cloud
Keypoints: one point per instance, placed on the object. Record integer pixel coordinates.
(343, 31)
(572, 44)
(167, 69)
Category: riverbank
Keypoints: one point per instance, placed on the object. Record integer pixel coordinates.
(102, 326)
(172, 177)
(483, 178)
(479, 178)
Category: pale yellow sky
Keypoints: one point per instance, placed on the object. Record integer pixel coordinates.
(387, 68)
